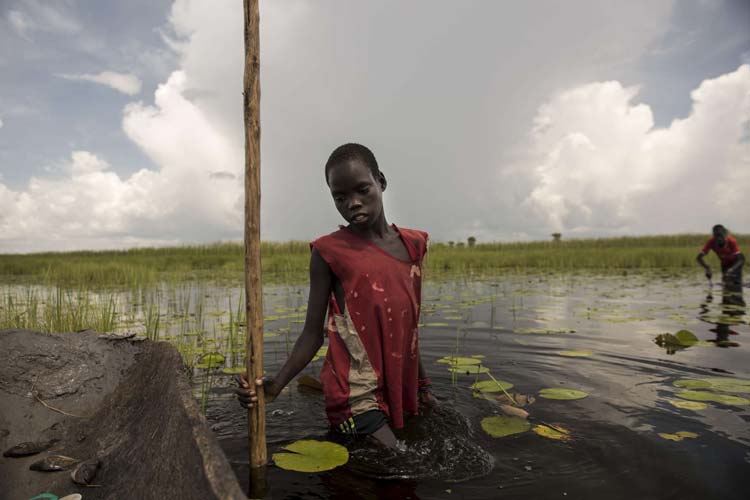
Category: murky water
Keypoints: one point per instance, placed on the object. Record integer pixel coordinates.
(586, 332)
(521, 325)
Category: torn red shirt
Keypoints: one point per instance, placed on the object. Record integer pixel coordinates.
(373, 357)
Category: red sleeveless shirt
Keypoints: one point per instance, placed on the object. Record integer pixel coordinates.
(373, 358)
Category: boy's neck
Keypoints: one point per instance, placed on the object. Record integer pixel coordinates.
(378, 230)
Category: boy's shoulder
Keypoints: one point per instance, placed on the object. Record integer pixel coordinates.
(339, 234)
(414, 233)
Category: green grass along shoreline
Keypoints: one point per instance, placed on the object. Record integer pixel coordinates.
(289, 261)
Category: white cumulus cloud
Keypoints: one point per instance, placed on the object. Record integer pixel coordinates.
(42, 16)
(122, 82)
(600, 165)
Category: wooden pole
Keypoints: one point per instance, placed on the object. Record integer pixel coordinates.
(253, 290)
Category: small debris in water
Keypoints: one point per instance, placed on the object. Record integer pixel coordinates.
(85, 472)
(527, 467)
(53, 463)
(28, 448)
(72, 496)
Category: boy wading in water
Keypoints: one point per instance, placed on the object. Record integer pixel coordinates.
(729, 254)
(368, 277)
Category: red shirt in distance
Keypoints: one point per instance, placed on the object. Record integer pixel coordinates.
(727, 254)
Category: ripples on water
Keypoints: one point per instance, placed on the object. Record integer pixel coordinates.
(615, 451)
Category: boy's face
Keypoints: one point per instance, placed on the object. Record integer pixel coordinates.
(358, 196)
(720, 238)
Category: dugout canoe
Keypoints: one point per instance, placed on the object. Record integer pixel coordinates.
(126, 402)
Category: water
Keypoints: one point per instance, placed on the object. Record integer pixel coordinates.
(615, 450)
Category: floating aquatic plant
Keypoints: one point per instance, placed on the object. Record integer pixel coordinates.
(688, 405)
(501, 426)
(575, 354)
(724, 384)
(558, 433)
(311, 456)
(491, 386)
(725, 399)
(562, 393)
(456, 360)
(678, 436)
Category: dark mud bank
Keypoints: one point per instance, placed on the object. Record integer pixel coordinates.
(125, 402)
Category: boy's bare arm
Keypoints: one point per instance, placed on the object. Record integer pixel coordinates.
(308, 342)
(312, 335)
(700, 260)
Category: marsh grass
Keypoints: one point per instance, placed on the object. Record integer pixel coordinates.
(288, 262)
(61, 310)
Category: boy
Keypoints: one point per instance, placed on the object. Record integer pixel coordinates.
(367, 275)
(726, 248)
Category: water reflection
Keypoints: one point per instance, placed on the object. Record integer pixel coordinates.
(732, 312)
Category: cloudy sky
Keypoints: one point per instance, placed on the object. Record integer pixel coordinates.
(121, 122)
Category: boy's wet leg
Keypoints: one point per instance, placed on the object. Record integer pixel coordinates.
(384, 437)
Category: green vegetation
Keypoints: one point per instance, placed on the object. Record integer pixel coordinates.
(288, 262)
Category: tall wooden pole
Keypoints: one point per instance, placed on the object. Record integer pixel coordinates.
(253, 290)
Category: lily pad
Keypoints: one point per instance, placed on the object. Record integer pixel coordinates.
(678, 436)
(233, 370)
(559, 433)
(210, 360)
(671, 437)
(501, 426)
(492, 386)
(575, 354)
(468, 369)
(692, 383)
(688, 405)
(312, 456)
(716, 398)
(453, 360)
(562, 393)
(724, 384)
(687, 434)
(686, 337)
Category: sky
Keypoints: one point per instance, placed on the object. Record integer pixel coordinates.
(121, 122)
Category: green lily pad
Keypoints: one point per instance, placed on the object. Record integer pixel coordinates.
(500, 426)
(692, 383)
(210, 360)
(688, 405)
(468, 369)
(575, 354)
(716, 398)
(454, 360)
(562, 393)
(312, 456)
(478, 356)
(492, 386)
(437, 324)
(686, 337)
(233, 370)
(724, 384)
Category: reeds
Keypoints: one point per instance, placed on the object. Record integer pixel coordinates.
(288, 262)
